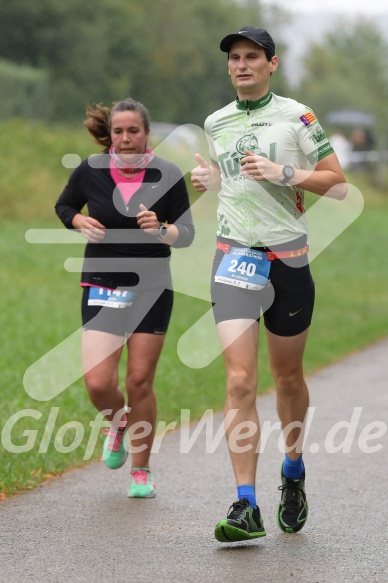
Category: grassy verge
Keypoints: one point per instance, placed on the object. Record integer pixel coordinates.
(40, 309)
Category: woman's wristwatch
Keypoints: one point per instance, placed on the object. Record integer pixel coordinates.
(162, 231)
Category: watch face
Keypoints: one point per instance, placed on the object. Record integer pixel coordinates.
(288, 173)
(162, 230)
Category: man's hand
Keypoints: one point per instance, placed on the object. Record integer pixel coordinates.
(260, 168)
(200, 176)
(90, 228)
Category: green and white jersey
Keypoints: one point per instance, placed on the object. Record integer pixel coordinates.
(281, 129)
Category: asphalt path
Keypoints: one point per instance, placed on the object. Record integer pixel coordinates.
(83, 527)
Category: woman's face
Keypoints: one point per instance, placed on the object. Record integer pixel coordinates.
(128, 134)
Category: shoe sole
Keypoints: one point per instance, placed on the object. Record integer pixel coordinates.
(151, 495)
(116, 467)
(226, 533)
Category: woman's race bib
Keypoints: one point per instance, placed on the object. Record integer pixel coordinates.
(99, 296)
(244, 267)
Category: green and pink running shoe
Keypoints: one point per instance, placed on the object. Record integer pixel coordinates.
(114, 450)
(142, 485)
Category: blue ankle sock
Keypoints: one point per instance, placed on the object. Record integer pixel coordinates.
(247, 491)
(293, 468)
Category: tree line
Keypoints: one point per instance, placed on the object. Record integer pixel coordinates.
(56, 57)
(164, 53)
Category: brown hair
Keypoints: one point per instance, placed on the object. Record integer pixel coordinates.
(99, 119)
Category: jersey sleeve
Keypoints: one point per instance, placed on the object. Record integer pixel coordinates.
(210, 141)
(180, 214)
(72, 199)
(312, 139)
(176, 204)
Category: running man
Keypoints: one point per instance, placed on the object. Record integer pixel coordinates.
(265, 151)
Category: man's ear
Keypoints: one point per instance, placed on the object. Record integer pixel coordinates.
(274, 63)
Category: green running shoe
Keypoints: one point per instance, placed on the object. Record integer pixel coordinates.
(142, 485)
(243, 522)
(114, 451)
(292, 511)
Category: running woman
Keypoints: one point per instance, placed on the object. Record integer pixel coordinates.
(265, 151)
(137, 209)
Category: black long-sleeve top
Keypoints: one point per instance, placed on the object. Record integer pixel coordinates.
(127, 256)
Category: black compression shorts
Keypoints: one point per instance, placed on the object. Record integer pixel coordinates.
(286, 303)
(149, 313)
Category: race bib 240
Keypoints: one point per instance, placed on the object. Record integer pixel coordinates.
(244, 267)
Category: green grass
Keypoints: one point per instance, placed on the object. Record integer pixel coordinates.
(40, 308)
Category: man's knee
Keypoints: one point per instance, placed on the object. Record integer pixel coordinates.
(289, 384)
(241, 387)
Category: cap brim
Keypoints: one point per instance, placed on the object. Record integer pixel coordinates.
(227, 42)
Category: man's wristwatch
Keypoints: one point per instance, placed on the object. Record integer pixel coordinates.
(162, 231)
(288, 173)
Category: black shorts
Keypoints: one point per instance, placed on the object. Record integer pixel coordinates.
(149, 313)
(286, 303)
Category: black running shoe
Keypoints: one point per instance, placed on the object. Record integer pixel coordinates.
(292, 511)
(243, 522)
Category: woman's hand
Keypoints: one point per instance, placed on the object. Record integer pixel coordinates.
(90, 228)
(147, 220)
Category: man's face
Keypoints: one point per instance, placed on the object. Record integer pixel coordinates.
(249, 69)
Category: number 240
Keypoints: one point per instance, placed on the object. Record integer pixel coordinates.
(244, 267)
